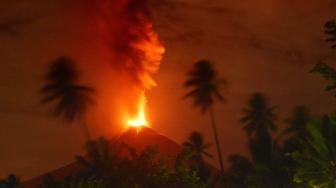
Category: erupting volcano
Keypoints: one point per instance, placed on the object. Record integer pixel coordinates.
(151, 51)
(136, 53)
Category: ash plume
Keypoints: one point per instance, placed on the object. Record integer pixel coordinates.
(125, 29)
(128, 31)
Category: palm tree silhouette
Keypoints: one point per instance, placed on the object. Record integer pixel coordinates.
(296, 130)
(101, 158)
(316, 161)
(298, 122)
(198, 150)
(258, 121)
(70, 99)
(259, 116)
(196, 145)
(205, 89)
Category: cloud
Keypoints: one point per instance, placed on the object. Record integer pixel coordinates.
(292, 30)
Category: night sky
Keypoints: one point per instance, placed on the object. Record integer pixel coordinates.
(266, 45)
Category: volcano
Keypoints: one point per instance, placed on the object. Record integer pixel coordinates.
(137, 138)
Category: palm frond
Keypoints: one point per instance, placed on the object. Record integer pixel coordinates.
(205, 85)
(330, 31)
(71, 98)
(207, 154)
(50, 98)
(191, 93)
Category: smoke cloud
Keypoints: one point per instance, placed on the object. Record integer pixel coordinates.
(125, 32)
(127, 28)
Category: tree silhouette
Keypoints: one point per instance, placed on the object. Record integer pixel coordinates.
(61, 88)
(75, 181)
(317, 159)
(330, 31)
(196, 145)
(101, 157)
(297, 129)
(237, 173)
(295, 132)
(297, 123)
(328, 73)
(258, 121)
(119, 165)
(10, 182)
(198, 150)
(323, 69)
(205, 89)
(275, 173)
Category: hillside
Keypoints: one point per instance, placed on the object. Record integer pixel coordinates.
(138, 139)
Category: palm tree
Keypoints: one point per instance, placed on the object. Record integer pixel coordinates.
(205, 89)
(70, 98)
(297, 123)
(198, 149)
(259, 116)
(317, 160)
(196, 145)
(296, 130)
(101, 158)
(258, 121)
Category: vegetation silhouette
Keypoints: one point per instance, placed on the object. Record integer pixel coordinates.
(304, 156)
(316, 161)
(269, 163)
(330, 31)
(105, 167)
(62, 90)
(258, 122)
(198, 150)
(239, 170)
(297, 128)
(196, 145)
(205, 88)
(10, 182)
(297, 123)
(316, 158)
(328, 73)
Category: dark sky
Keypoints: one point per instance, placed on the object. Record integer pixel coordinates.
(265, 45)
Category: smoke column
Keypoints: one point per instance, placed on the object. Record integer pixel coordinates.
(125, 30)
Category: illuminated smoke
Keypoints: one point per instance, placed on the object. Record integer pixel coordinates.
(135, 50)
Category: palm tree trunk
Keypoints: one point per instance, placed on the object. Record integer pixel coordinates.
(85, 130)
(219, 152)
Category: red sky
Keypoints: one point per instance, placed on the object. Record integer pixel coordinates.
(267, 46)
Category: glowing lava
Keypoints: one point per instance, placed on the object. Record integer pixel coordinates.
(151, 55)
(140, 120)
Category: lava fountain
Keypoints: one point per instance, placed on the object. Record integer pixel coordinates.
(140, 120)
(153, 52)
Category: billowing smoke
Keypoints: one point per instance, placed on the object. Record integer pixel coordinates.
(125, 30)
(128, 31)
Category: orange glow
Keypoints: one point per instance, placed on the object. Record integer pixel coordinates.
(153, 52)
(140, 120)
